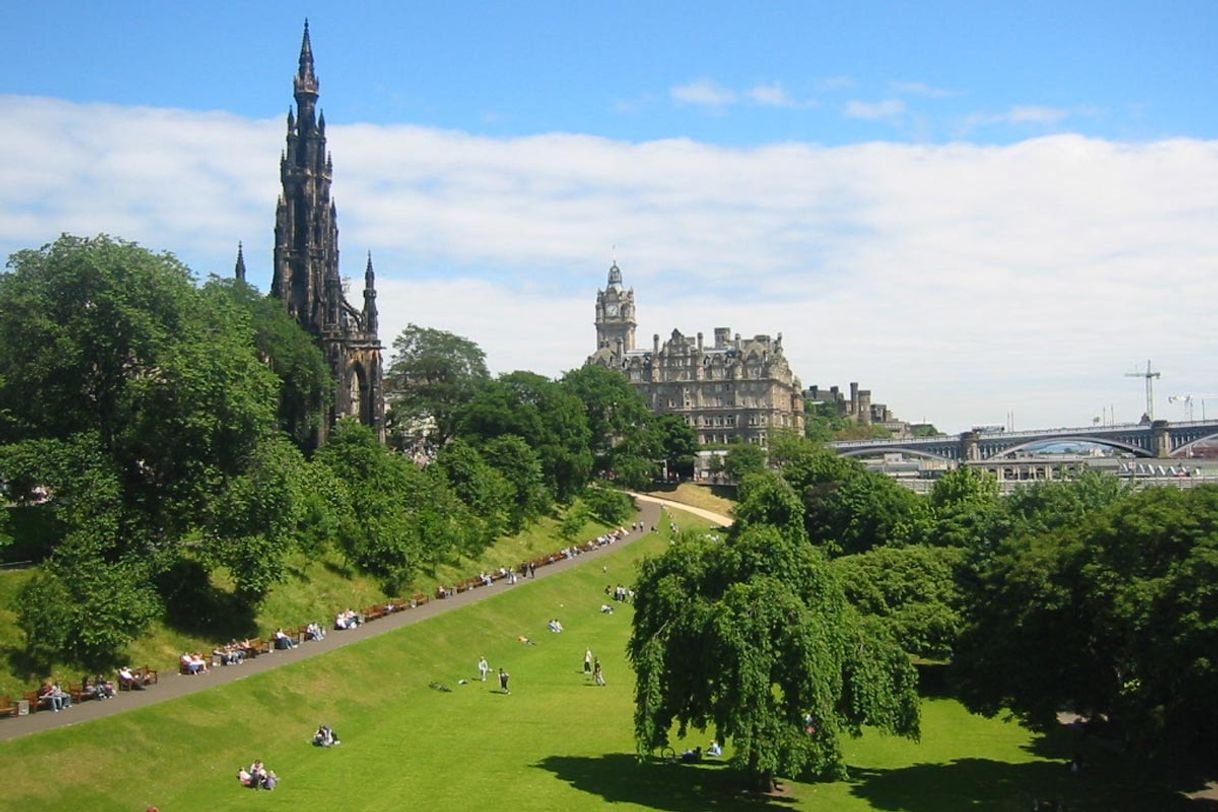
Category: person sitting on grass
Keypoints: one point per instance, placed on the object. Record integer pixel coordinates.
(692, 756)
(714, 750)
(325, 737)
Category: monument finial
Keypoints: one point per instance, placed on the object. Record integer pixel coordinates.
(239, 270)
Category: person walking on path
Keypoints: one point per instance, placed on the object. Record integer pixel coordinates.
(588, 662)
(598, 674)
(483, 667)
(503, 681)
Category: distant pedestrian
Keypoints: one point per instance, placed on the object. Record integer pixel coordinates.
(483, 668)
(503, 681)
(588, 661)
(598, 673)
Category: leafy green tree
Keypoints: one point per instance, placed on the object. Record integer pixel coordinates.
(433, 374)
(766, 499)
(677, 443)
(618, 417)
(965, 505)
(754, 637)
(521, 467)
(487, 491)
(848, 509)
(607, 504)
(744, 459)
(913, 591)
(121, 347)
(546, 416)
(306, 387)
(1115, 615)
(395, 503)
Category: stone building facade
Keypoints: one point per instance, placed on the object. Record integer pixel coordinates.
(731, 390)
(306, 274)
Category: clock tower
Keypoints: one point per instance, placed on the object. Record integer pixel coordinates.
(615, 315)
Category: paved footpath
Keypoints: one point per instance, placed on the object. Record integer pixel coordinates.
(173, 685)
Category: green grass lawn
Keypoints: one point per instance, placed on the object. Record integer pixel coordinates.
(557, 743)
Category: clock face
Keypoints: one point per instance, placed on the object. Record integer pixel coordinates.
(611, 310)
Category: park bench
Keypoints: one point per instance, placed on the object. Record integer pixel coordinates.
(258, 646)
(418, 599)
(8, 707)
(34, 700)
(374, 612)
(300, 633)
(78, 693)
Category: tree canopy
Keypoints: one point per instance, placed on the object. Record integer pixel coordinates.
(755, 638)
(1114, 614)
(432, 374)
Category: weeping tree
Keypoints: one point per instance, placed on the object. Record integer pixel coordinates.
(754, 638)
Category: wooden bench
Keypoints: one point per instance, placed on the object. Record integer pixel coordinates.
(374, 612)
(34, 700)
(8, 707)
(418, 599)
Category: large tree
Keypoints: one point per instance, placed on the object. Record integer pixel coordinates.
(113, 363)
(431, 375)
(306, 386)
(1114, 614)
(545, 415)
(754, 637)
(623, 443)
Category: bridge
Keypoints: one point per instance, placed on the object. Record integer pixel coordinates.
(1160, 439)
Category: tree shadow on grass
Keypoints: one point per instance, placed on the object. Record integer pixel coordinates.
(621, 778)
(971, 784)
(194, 606)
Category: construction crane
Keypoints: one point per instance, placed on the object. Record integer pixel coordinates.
(1150, 388)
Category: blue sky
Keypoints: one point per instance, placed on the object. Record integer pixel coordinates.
(971, 208)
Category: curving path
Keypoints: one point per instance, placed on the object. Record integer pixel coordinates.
(173, 685)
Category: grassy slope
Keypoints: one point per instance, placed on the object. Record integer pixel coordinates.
(707, 497)
(314, 590)
(555, 743)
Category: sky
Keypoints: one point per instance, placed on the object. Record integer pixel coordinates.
(985, 213)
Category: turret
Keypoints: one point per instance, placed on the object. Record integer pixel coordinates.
(239, 270)
(370, 315)
(305, 83)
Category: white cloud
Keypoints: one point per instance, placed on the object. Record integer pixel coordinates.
(837, 83)
(888, 108)
(704, 92)
(1026, 115)
(922, 89)
(957, 282)
(773, 94)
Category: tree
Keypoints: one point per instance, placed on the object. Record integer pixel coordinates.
(848, 509)
(677, 443)
(1115, 615)
(608, 505)
(521, 467)
(433, 373)
(306, 387)
(744, 459)
(965, 504)
(488, 492)
(911, 590)
(545, 415)
(753, 637)
(405, 518)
